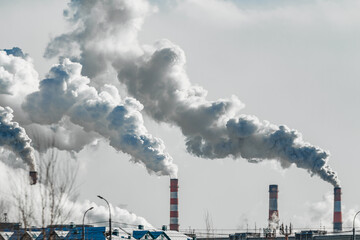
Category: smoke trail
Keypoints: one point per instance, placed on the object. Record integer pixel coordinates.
(66, 113)
(215, 129)
(65, 92)
(156, 76)
(14, 137)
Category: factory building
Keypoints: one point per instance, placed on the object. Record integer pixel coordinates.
(74, 232)
(302, 235)
(5, 235)
(12, 231)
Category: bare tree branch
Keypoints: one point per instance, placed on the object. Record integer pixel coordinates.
(58, 179)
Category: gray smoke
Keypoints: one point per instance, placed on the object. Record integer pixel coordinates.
(14, 137)
(214, 129)
(66, 93)
(103, 30)
(105, 35)
(18, 78)
(67, 113)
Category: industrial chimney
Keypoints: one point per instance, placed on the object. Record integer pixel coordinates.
(273, 205)
(337, 210)
(33, 177)
(174, 212)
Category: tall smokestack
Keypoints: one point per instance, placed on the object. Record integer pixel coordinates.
(337, 210)
(273, 206)
(174, 212)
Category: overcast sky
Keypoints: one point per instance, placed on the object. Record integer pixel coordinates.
(291, 63)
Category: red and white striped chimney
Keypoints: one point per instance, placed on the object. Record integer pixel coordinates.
(337, 210)
(174, 210)
(273, 203)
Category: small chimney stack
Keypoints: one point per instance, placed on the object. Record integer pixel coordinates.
(337, 210)
(174, 210)
(33, 177)
(273, 203)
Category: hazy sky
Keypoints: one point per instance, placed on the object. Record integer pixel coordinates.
(291, 63)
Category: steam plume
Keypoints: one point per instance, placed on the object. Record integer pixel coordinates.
(14, 137)
(18, 78)
(215, 129)
(156, 76)
(65, 92)
(66, 112)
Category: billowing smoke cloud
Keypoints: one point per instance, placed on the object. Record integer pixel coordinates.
(113, 33)
(215, 129)
(156, 76)
(18, 78)
(65, 92)
(14, 137)
(66, 113)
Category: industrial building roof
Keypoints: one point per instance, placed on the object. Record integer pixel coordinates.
(140, 234)
(6, 235)
(61, 234)
(158, 235)
(174, 235)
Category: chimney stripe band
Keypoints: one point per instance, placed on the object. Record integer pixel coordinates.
(273, 195)
(337, 206)
(337, 217)
(174, 214)
(273, 204)
(174, 221)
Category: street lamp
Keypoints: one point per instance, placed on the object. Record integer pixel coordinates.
(83, 224)
(354, 225)
(110, 233)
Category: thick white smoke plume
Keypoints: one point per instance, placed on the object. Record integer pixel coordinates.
(14, 137)
(18, 78)
(105, 38)
(67, 112)
(65, 92)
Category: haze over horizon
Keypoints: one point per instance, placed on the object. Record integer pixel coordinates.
(292, 65)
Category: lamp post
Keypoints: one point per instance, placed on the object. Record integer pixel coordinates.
(83, 224)
(110, 233)
(354, 225)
